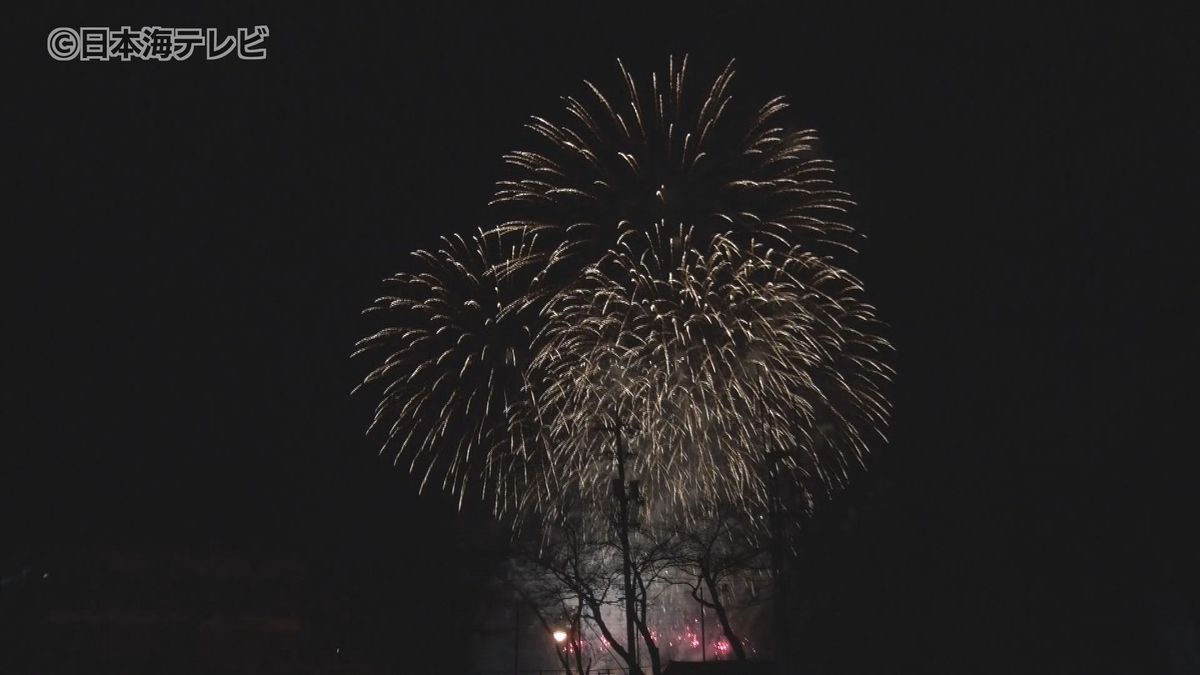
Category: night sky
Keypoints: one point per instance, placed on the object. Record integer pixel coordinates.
(189, 245)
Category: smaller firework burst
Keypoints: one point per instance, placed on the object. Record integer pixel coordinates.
(452, 371)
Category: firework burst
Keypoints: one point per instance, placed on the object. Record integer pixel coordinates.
(665, 264)
(665, 154)
(452, 373)
(710, 363)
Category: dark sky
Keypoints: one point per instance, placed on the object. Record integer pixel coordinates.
(189, 245)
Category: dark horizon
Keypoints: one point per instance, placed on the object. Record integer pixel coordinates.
(193, 242)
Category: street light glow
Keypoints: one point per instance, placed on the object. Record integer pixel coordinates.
(560, 635)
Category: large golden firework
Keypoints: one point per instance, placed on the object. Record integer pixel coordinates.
(665, 266)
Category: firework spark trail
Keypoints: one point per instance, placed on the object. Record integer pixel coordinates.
(664, 263)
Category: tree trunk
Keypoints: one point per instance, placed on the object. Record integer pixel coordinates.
(651, 647)
(718, 606)
(624, 654)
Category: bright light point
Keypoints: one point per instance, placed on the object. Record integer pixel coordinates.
(560, 635)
